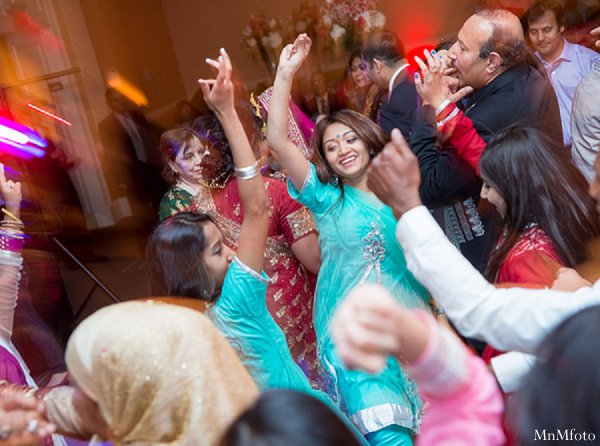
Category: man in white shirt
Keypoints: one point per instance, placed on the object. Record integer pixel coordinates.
(508, 319)
(566, 63)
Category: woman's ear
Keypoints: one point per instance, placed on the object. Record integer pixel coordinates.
(174, 167)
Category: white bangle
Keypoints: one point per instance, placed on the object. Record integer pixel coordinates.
(248, 172)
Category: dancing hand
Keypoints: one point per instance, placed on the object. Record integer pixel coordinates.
(394, 176)
(11, 192)
(293, 55)
(433, 85)
(218, 92)
(366, 328)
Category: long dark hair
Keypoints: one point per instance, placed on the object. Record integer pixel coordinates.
(540, 185)
(562, 391)
(175, 252)
(291, 418)
(366, 130)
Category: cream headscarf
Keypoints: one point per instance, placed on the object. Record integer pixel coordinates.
(160, 374)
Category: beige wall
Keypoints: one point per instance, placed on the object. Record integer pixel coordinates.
(199, 28)
(133, 38)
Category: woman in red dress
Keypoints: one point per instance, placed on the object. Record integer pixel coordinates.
(292, 257)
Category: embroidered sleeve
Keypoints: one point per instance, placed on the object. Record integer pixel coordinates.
(300, 224)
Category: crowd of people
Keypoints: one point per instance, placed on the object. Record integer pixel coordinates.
(401, 271)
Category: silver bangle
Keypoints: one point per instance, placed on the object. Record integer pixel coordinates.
(248, 172)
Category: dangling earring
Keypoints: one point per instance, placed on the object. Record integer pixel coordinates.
(335, 179)
(372, 152)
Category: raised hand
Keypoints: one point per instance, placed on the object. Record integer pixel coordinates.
(218, 92)
(433, 85)
(11, 192)
(364, 329)
(394, 175)
(293, 55)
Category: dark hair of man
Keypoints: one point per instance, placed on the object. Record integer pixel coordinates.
(366, 130)
(507, 37)
(286, 417)
(384, 46)
(177, 266)
(538, 8)
(562, 391)
(540, 185)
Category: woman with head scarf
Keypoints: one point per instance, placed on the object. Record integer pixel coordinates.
(150, 373)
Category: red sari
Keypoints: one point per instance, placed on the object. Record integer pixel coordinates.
(290, 289)
(532, 260)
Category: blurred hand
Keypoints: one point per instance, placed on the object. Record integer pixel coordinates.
(22, 420)
(293, 55)
(394, 176)
(365, 328)
(11, 192)
(567, 279)
(218, 92)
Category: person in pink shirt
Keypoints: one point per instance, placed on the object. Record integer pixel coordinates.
(462, 402)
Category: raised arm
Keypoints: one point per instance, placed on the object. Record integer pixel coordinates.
(11, 240)
(282, 148)
(218, 94)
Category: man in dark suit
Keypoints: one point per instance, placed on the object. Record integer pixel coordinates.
(320, 100)
(131, 157)
(384, 53)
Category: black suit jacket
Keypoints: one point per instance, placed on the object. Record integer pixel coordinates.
(125, 173)
(449, 186)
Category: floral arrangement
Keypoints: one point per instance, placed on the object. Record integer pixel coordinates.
(263, 38)
(351, 21)
(343, 23)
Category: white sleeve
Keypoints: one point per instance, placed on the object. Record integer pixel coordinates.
(511, 368)
(508, 319)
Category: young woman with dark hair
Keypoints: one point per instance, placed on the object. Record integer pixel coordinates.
(198, 161)
(357, 90)
(284, 417)
(548, 218)
(356, 234)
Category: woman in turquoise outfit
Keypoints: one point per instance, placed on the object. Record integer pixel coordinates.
(358, 245)
(192, 260)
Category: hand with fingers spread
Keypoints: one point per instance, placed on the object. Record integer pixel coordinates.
(433, 85)
(293, 55)
(218, 92)
(11, 193)
(394, 176)
(370, 326)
